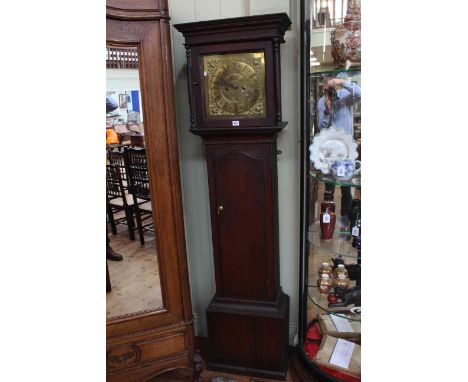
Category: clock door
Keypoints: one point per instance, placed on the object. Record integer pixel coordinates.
(240, 178)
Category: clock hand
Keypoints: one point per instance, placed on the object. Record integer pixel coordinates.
(226, 83)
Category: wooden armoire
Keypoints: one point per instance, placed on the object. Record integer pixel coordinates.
(235, 101)
(145, 345)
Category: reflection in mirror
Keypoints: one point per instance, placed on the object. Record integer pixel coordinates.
(335, 101)
(133, 282)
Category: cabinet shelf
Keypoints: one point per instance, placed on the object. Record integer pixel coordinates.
(333, 72)
(339, 245)
(353, 182)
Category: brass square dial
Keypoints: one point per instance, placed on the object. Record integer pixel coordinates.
(234, 85)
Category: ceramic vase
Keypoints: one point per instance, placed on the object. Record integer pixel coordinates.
(356, 242)
(354, 212)
(327, 219)
(346, 38)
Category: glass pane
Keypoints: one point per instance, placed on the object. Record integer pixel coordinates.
(342, 244)
(353, 182)
(333, 205)
(133, 280)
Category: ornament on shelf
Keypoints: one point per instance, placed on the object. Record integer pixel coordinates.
(327, 216)
(341, 281)
(354, 270)
(340, 269)
(356, 232)
(356, 242)
(346, 38)
(325, 284)
(325, 268)
(354, 212)
(347, 296)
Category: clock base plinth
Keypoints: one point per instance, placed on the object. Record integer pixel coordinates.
(257, 373)
(249, 337)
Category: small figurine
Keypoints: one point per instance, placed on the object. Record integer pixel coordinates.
(354, 270)
(347, 296)
(357, 242)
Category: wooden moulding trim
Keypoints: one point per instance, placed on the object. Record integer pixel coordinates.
(240, 139)
(279, 309)
(172, 362)
(137, 14)
(179, 327)
(280, 20)
(172, 144)
(164, 210)
(140, 313)
(238, 131)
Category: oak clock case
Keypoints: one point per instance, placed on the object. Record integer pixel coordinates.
(233, 68)
(234, 80)
(143, 345)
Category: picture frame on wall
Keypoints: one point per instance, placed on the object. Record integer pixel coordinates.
(123, 101)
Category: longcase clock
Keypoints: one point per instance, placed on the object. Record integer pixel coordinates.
(235, 106)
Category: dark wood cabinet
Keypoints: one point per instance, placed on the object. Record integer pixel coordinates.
(248, 317)
(235, 101)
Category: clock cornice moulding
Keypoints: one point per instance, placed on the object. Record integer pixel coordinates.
(239, 131)
(262, 27)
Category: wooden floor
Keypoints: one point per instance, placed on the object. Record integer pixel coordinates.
(135, 280)
(212, 376)
(216, 376)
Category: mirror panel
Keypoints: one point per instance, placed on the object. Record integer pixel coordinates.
(133, 276)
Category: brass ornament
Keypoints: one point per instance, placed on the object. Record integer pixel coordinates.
(235, 85)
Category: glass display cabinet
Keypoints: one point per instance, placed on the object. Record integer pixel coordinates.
(329, 338)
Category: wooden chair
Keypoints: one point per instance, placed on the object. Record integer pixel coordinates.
(135, 159)
(116, 156)
(118, 200)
